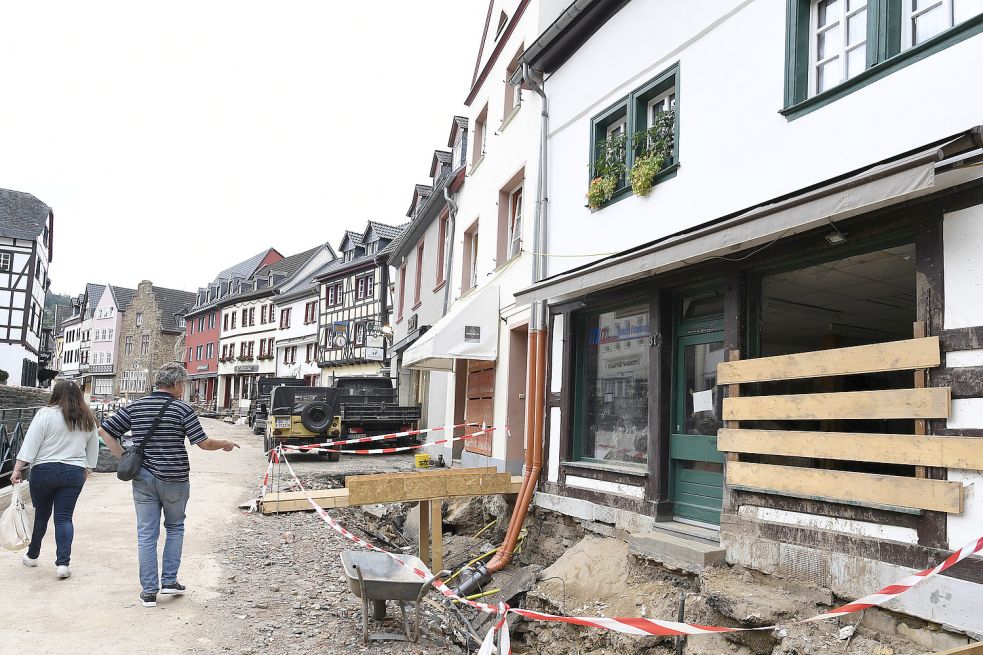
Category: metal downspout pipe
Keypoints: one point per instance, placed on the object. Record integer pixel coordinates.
(536, 373)
(448, 247)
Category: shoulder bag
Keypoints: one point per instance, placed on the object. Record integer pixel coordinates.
(15, 523)
(132, 458)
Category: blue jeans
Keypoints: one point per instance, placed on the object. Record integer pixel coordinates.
(150, 497)
(55, 486)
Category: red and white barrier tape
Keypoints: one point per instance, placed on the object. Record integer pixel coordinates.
(384, 451)
(379, 437)
(438, 584)
(639, 626)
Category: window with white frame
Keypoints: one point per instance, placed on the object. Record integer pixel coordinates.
(128, 345)
(145, 344)
(103, 387)
(515, 222)
(359, 333)
(923, 19)
(365, 286)
(209, 350)
(108, 358)
(139, 319)
(199, 350)
(839, 42)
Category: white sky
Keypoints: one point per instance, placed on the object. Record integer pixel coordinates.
(175, 139)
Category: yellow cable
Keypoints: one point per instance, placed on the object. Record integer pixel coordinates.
(455, 574)
(494, 521)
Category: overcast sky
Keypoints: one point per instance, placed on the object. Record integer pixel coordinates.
(174, 139)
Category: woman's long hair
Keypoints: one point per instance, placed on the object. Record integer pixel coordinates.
(68, 397)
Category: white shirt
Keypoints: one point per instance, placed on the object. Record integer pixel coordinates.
(50, 440)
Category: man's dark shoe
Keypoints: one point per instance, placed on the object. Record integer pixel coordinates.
(148, 600)
(173, 589)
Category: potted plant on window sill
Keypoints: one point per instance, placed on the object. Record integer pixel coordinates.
(654, 148)
(608, 170)
(247, 358)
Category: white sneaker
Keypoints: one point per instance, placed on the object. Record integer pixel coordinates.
(64, 572)
(28, 561)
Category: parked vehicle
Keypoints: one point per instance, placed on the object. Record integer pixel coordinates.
(368, 406)
(300, 416)
(259, 408)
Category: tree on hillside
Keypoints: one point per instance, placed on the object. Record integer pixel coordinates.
(52, 300)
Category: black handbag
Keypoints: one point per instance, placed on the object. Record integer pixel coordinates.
(131, 460)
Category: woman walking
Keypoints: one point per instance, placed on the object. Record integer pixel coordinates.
(61, 445)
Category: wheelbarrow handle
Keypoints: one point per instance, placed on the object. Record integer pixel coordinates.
(419, 599)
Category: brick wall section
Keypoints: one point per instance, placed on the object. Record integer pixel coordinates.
(161, 343)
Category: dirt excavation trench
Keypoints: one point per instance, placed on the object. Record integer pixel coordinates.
(569, 567)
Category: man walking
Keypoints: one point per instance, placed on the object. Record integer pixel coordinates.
(162, 485)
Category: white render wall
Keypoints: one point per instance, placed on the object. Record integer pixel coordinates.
(735, 149)
(298, 334)
(111, 321)
(962, 238)
(509, 149)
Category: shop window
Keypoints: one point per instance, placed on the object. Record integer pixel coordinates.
(856, 300)
(612, 379)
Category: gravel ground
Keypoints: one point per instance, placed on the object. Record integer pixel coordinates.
(287, 592)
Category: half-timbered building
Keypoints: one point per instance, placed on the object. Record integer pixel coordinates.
(355, 305)
(25, 255)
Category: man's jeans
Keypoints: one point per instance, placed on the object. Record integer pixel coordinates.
(150, 497)
(55, 486)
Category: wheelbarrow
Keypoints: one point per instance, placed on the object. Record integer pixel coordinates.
(377, 578)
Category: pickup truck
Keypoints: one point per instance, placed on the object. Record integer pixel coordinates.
(368, 406)
(259, 408)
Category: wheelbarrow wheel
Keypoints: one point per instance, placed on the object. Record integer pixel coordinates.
(378, 610)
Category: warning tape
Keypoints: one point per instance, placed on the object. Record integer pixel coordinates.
(380, 437)
(639, 626)
(438, 584)
(383, 451)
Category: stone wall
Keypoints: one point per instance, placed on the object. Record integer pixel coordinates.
(17, 397)
(161, 343)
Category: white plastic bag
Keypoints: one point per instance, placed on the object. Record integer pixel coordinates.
(15, 523)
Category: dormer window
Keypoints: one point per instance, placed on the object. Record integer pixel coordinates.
(503, 20)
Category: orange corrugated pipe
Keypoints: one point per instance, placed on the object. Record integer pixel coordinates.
(536, 375)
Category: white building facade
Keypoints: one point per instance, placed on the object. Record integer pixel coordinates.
(299, 309)
(800, 204)
(491, 243)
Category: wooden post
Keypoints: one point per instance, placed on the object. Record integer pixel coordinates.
(436, 536)
(425, 530)
(921, 379)
(733, 391)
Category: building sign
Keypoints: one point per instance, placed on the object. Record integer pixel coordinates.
(375, 354)
(247, 368)
(202, 367)
(375, 342)
(472, 333)
(101, 368)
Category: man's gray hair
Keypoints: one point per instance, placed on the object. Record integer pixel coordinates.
(170, 375)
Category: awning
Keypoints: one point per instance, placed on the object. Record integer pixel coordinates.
(876, 186)
(468, 331)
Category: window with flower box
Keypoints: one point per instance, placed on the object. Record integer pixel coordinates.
(635, 141)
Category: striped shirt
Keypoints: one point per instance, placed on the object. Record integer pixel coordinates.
(165, 456)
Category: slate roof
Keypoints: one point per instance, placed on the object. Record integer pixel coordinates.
(288, 265)
(354, 237)
(22, 216)
(93, 293)
(123, 297)
(303, 287)
(386, 231)
(171, 303)
(460, 122)
(244, 268)
(420, 194)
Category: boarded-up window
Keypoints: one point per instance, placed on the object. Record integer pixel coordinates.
(480, 406)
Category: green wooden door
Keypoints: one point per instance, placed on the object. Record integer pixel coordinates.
(696, 464)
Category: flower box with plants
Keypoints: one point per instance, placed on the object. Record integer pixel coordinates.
(246, 358)
(651, 148)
